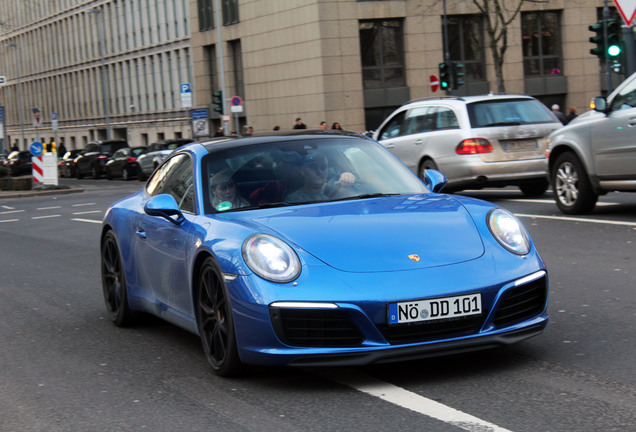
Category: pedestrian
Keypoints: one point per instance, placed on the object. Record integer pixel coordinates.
(276, 128)
(219, 132)
(323, 125)
(61, 149)
(556, 110)
(336, 126)
(299, 124)
(571, 115)
(15, 148)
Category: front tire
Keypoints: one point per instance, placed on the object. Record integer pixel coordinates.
(114, 282)
(571, 186)
(215, 321)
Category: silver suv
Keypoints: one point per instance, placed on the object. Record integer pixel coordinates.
(476, 141)
(596, 152)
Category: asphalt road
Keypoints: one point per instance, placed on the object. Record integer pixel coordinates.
(65, 367)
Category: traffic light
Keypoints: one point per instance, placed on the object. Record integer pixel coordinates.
(457, 70)
(444, 76)
(218, 101)
(614, 44)
(598, 40)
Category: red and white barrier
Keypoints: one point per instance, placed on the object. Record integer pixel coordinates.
(38, 169)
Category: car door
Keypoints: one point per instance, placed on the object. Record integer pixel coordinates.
(163, 245)
(408, 146)
(614, 141)
(84, 162)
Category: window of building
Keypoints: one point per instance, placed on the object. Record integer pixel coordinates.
(206, 14)
(230, 12)
(541, 37)
(382, 53)
(237, 63)
(466, 44)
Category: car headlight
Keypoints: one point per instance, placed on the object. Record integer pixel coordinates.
(508, 231)
(271, 258)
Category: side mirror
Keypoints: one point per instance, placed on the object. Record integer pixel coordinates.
(434, 180)
(164, 205)
(600, 104)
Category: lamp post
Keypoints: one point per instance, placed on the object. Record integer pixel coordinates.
(17, 60)
(100, 38)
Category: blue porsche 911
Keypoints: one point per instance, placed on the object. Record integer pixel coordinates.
(318, 248)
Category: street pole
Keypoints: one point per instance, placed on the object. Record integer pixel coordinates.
(447, 59)
(100, 38)
(608, 69)
(16, 55)
(217, 19)
(629, 53)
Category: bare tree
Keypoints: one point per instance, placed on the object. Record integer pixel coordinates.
(498, 15)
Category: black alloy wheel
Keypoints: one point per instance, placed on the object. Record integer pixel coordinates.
(571, 186)
(114, 282)
(214, 318)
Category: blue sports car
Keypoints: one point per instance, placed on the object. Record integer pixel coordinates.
(318, 248)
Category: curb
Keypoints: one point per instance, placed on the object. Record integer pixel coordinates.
(38, 192)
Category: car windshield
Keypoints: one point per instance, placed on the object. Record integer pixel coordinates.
(302, 171)
(509, 112)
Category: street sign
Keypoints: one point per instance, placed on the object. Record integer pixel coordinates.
(3, 79)
(627, 9)
(37, 117)
(237, 101)
(434, 83)
(186, 95)
(54, 121)
(36, 148)
(200, 122)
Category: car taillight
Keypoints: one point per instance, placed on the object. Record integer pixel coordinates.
(102, 156)
(474, 146)
(131, 159)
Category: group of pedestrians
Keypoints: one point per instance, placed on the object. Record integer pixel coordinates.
(323, 125)
(564, 118)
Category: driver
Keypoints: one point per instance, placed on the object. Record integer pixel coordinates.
(224, 193)
(315, 171)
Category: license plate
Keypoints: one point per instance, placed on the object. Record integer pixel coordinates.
(512, 146)
(434, 309)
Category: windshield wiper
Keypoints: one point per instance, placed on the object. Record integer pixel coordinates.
(364, 196)
(510, 123)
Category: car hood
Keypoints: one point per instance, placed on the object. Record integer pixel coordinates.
(381, 234)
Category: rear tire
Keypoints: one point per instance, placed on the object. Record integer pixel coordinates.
(571, 185)
(535, 189)
(114, 283)
(426, 164)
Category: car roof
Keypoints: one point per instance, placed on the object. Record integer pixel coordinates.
(468, 99)
(238, 141)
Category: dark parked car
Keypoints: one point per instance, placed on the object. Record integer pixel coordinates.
(19, 163)
(93, 159)
(65, 167)
(123, 163)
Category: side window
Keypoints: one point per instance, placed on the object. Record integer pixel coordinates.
(175, 177)
(446, 119)
(626, 98)
(392, 129)
(420, 120)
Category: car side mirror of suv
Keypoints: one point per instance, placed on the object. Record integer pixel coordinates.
(600, 104)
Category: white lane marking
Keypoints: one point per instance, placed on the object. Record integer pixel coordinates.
(12, 211)
(87, 212)
(7, 207)
(9, 220)
(574, 219)
(86, 220)
(409, 400)
(540, 201)
(45, 217)
(49, 208)
(81, 205)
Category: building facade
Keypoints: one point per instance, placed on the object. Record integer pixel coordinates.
(345, 61)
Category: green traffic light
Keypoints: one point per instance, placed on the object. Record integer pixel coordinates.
(614, 50)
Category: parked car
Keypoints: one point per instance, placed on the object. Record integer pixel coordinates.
(318, 248)
(123, 163)
(65, 166)
(476, 141)
(19, 163)
(92, 160)
(596, 153)
(156, 154)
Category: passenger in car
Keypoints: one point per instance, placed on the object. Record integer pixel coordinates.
(315, 172)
